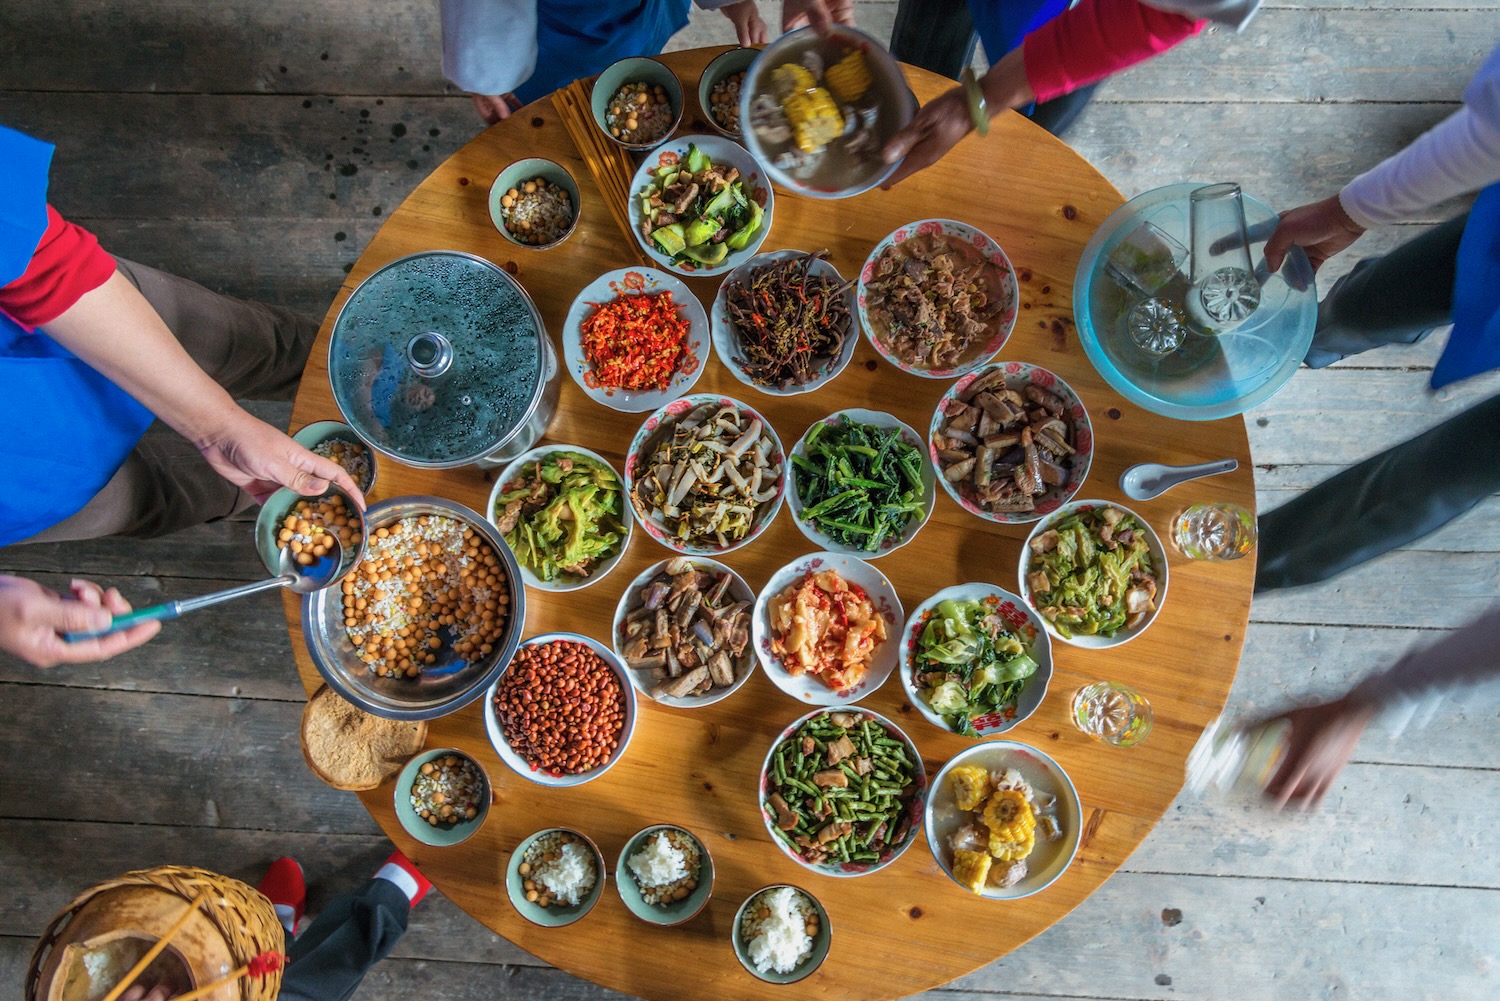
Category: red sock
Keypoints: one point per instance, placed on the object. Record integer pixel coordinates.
(284, 886)
(404, 873)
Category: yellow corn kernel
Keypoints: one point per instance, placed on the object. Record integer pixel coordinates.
(1009, 816)
(971, 786)
(848, 78)
(814, 118)
(791, 78)
(971, 868)
(1006, 850)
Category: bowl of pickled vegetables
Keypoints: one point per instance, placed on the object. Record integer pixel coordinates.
(1095, 572)
(975, 659)
(562, 510)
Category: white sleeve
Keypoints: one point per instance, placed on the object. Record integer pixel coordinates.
(1466, 658)
(489, 46)
(1458, 155)
(1231, 13)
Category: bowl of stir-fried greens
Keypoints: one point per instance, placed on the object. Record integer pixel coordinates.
(562, 510)
(861, 484)
(975, 659)
(1095, 572)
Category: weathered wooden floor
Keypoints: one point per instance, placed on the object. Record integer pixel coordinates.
(255, 147)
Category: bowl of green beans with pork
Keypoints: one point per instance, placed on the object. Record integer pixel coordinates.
(842, 791)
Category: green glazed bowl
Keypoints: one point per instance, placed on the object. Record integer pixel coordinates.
(679, 911)
(318, 432)
(440, 836)
(557, 915)
(518, 174)
(277, 507)
(822, 941)
(723, 65)
(636, 69)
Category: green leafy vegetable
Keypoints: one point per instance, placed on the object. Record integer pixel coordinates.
(697, 211)
(1092, 573)
(563, 515)
(860, 484)
(969, 663)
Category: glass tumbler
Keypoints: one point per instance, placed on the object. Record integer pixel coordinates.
(1113, 713)
(1218, 531)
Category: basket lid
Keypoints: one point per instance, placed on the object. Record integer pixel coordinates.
(436, 359)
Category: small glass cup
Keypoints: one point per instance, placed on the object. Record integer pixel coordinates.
(1112, 713)
(1218, 531)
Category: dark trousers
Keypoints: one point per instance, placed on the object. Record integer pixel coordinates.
(1419, 485)
(356, 931)
(255, 351)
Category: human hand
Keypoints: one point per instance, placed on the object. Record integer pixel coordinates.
(33, 619)
(258, 459)
(137, 992)
(494, 107)
(821, 14)
(935, 130)
(1322, 739)
(749, 27)
(1323, 229)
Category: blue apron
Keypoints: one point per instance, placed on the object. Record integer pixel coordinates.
(1474, 344)
(64, 428)
(1002, 24)
(578, 38)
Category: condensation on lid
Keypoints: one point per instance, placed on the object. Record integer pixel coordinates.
(436, 358)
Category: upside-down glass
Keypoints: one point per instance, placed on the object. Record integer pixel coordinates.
(1225, 291)
(1112, 713)
(1218, 531)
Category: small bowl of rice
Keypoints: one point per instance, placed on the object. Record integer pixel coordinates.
(534, 203)
(555, 877)
(665, 875)
(337, 441)
(781, 934)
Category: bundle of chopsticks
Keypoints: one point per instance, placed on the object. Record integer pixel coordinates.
(609, 164)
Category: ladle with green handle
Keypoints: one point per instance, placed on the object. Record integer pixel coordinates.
(323, 571)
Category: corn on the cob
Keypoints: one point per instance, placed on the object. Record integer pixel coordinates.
(848, 78)
(971, 868)
(971, 786)
(1009, 816)
(791, 78)
(1008, 850)
(814, 118)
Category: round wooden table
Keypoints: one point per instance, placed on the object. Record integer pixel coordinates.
(907, 927)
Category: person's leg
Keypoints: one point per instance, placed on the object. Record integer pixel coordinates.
(937, 35)
(1383, 502)
(253, 350)
(1394, 299)
(356, 931)
(1057, 114)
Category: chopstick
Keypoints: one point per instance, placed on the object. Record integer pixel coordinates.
(155, 950)
(608, 164)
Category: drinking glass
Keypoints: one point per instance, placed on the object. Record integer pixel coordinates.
(1113, 713)
(1218, 531)
(1225, 291)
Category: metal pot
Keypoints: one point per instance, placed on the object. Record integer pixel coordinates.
(440, 359)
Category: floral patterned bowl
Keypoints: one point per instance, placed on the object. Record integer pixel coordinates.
(1017, 376)
(631, 282)
(1021, 620)
(999, 328)
(638, 457)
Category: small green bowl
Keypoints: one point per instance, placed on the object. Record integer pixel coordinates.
(733, 61)
(519, 173)
(318, 432)
(439, 836)
(636, 69)
(821, 941)
(679, 911)
(557, 915)
(277, 507)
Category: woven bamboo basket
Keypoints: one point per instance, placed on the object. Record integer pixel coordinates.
(234, 924)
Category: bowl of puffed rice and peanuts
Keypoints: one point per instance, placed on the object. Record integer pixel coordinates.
(534, 203)
(337, 441)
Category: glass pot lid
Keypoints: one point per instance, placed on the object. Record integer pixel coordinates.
(436, 359)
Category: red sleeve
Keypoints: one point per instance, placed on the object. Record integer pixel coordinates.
(67, 264)
(1097, 38)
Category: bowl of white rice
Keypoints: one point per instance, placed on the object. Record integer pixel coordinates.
(554, 877)
(665, 875)
(781, 934)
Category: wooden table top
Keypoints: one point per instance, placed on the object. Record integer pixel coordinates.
(908, 927)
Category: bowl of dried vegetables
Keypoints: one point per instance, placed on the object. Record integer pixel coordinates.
(562, 511)
(783, 322)
(635, 339)
(706, 475)
(860, 484)
(975, 659)
(1095, 572)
